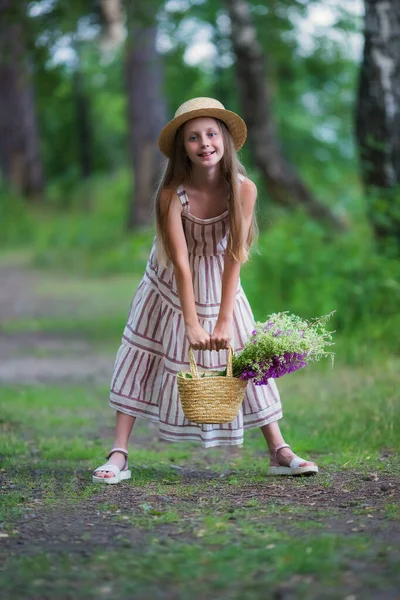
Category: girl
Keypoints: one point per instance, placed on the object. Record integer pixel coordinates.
(191, 293)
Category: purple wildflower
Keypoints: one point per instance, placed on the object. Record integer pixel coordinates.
(282, 365)
(277, 332)
(247, 374)
(275, 368)
(265, 357)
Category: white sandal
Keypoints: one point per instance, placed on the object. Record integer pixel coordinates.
(119, 474)
(293, 468)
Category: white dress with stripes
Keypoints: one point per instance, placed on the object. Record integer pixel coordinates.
(154, 344)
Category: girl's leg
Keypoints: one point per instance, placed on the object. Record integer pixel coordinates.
(123, 428)
(273, 437)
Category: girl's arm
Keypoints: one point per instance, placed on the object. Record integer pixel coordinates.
(222, 334)
(198, 338)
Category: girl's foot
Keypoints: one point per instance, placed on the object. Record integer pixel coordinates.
(283, 461)
(282, 457)
(118, 459)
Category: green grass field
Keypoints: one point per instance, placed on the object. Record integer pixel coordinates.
(192, 523)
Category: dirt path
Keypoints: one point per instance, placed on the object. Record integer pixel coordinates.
(345, 503)
(36, 357)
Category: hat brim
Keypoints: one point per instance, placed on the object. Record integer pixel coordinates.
(235, 124)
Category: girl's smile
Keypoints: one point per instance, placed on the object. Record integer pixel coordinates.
(207, 154)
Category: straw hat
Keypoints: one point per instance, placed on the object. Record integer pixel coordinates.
(202, 107)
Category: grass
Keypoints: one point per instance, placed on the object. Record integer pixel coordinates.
(95, 309)
(206, 569)
(208, 539)
(195, 523)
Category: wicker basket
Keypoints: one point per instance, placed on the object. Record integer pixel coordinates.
(209, 397)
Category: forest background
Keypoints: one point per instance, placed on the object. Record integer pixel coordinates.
(84, 89)
(84, 96)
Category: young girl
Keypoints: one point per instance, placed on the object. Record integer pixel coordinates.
(191, 293)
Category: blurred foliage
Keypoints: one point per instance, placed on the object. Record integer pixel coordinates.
(87, 236)
(312, 87)
(107, 107)
(81, 226)
(300, 269)
(295, 265)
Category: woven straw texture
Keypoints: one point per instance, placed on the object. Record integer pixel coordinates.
(210, 398)
(202, 107)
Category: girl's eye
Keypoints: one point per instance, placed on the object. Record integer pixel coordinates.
(192, 138)
(212, 133)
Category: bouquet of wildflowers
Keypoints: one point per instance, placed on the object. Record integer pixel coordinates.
(283, 344)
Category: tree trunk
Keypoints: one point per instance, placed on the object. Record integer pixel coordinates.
(20, 161)
(112, 20)
(282, 181)
(84, 129)
(147, 113)
(378, 117)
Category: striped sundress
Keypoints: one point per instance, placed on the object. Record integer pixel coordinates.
(155, 347)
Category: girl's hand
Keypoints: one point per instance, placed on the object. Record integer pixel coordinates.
(221, 337)
(198, 337)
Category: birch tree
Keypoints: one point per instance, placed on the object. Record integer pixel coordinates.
(378, 117)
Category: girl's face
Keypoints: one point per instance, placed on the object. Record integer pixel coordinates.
(203, 141)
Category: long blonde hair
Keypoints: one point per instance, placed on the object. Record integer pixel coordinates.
(178, 169)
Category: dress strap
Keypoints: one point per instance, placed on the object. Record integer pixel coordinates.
(183, 198)
(241, 177)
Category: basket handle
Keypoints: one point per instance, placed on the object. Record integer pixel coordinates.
(193, 365)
